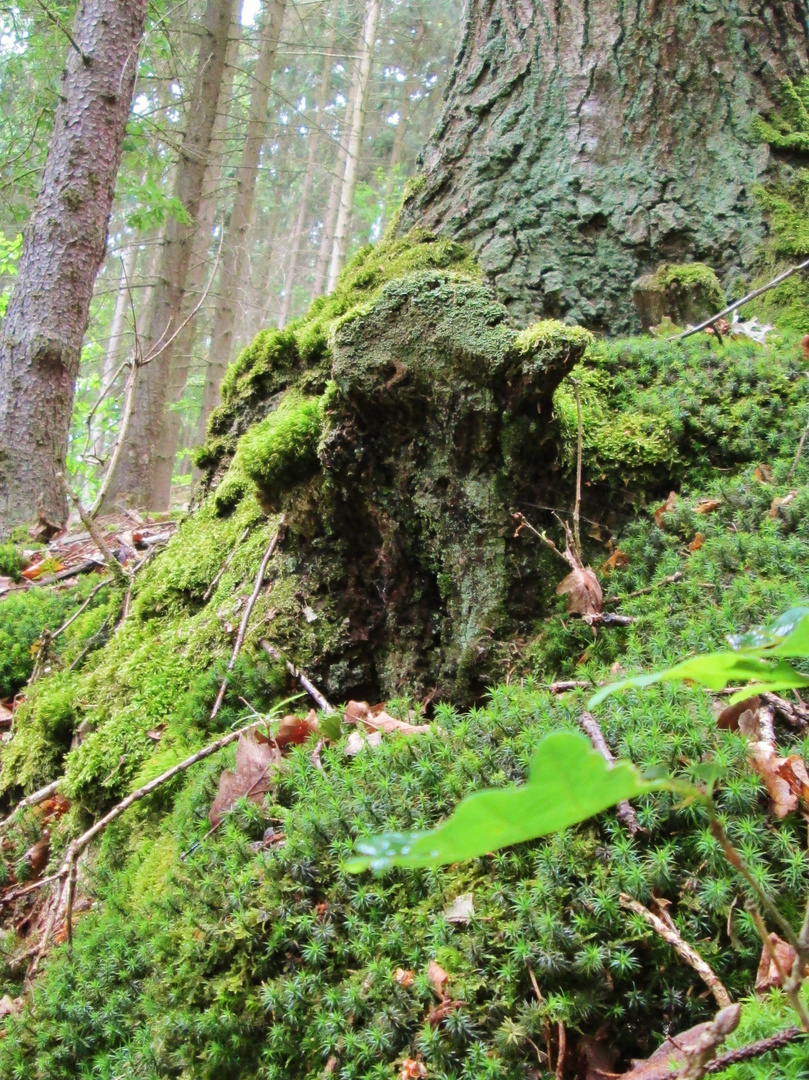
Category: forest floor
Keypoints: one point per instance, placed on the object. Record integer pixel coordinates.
(215, 932)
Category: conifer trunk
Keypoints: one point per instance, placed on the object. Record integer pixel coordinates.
(359, 94)
(64, 245)
(135, 473)
(585, 143)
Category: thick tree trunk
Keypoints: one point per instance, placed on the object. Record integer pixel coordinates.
(306, 193)
(64, 245)
(360, 94)
(235, 247)
(136, 463)
(199, 267)
(584, 143)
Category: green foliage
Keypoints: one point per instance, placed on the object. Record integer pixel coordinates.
(10, 251)
(11, 562)
(788, 129)
(567, 783)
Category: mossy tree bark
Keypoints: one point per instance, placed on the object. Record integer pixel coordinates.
(585, 143)
(64, 245)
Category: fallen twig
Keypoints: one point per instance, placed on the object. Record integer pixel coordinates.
(118, 572)
(75, 615)
(210, 590)
(744, 300)
(607, 618)
(34, 799)
(296, 673)
(755, 1049)
(248, 611)
(667, 930)
(565, 685)
(592, 730)
(77, 846)
(670, 580)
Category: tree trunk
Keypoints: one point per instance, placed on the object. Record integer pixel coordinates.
(362, 82)
(199, 266)
(64, 245)
(585, 143)
(234, 250)
(333, 206)
(306, 193)
(136, 463)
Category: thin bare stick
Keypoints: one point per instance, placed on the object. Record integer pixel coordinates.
(86, 58)
(564, 686)
(754, 1050)
(579, 445)
(560, 1057)
(34, 799)
(800, 451)
(248, 611)
(296, 673)
(129, 404)
(210, 590)
(686, 953)
(76, 614)
(118, 572)
(744, 300)
(593, 731)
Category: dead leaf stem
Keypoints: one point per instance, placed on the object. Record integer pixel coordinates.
(686, 952)
(593, 731)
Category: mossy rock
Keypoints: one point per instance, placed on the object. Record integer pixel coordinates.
(686, 294)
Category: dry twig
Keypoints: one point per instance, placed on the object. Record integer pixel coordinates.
(248, 611)
(296, 673)
(592, 730)
(118, 572)
(668, 931)
(210, 590)
(34, 799)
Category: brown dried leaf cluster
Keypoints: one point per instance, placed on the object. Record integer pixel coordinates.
(256, 759)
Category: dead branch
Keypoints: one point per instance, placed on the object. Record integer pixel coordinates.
(670, 934)
(248, 611)
(118, 572)
(744, 300)
(700, 1056)
(67, 870)
(210, 590)
(755, 1049)
(296, 673)
(670, 580)
(565, 685)
(75, 615)
(607, 618)
(34, 799)
(593, 731)
(57, 22)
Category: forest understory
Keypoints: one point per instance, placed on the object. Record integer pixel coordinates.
(231, 941)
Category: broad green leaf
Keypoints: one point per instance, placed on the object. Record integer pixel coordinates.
(787, 636)
(716, 671)
(568, 782)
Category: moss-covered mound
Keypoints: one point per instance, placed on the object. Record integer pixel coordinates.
(397, 453)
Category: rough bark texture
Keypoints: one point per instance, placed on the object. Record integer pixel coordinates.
(64, 245)
(585, 143)
(136, 467)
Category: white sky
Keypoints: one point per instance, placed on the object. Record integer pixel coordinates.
(249, 11)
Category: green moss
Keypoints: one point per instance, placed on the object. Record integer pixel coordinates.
(44, 725)
(11, 562)
(283, 448)
(787, 129)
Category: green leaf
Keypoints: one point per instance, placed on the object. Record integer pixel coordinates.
(787, 636)
(716, 671)
(568, 782)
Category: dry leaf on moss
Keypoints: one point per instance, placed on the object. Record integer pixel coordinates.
(768, 975)
(778, 504)
(438, 977)
(697, 542)
(412, 1069)
(763, 473)
(374, 718)
(615, 561)
(584, 596)
(707, 506)
(251, 778)
(403, 977)
(293, 730)
(666, 508)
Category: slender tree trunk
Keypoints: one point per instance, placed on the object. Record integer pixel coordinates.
(64, 245)
(333, 206)
(136, 463)
(585, 143)
(234, 250)
(306, 193)
(363, 80)
(200, 264)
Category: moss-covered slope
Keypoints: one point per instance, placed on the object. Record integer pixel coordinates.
(404, 446)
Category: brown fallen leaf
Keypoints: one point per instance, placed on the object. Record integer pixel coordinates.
(707, 506)
(768, 975)
(697, 542)
(293, 730)
(36, 858)
(666, 508)
(786, 779)
(412, 1069)
(669, 1056)
(403, 977)
(805, 346)
(584, 596)
(251, 778)
(728, 719)
(778, 504)
(438, 977)
(722, 325)
(615, 561)
(441, 1011)
(763, 473)
(374, 718)
(10, 1006)
(156, 734)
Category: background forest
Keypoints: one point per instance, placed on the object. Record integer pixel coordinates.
(301, 131)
